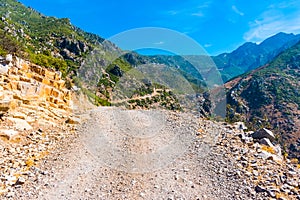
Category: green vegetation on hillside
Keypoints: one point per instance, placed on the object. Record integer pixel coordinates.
(270, 97)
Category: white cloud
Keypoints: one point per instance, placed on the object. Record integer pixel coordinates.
(186, 16)
(273, 21)
(172, 12)
(285, 4)
(205, 4)
(237, 11)
(159, 43)
(192, 8)
(198, 14)
(207, 45)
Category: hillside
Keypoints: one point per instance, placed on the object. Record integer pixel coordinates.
(47, 41)
(270, 96)
(85, 60)
(100, 68)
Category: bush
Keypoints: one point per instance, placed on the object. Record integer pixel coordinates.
(51, 62)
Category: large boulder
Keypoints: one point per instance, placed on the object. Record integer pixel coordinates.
(263, 133)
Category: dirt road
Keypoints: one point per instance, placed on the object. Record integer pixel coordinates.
(126, 154)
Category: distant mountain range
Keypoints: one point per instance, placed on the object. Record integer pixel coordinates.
(250, 56)
(247, 57)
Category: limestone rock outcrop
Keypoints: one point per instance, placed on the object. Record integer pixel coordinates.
(34, 106)
(27, 84)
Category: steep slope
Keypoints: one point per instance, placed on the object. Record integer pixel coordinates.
(47, 41)
(270, 96)
(85, 60)
(35, 109)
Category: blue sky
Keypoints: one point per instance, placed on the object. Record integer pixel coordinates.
(218, 25)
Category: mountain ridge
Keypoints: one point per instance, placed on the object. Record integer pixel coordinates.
(250, 55)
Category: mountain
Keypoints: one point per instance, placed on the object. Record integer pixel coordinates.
(245, 58)
(251, 56)
(108, 75)
(85, 60)
(270, 97)
(47, 41)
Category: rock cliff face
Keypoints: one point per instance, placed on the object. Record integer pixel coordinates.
(26, 84)
(34, 106)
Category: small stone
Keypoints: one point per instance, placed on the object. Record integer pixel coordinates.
(259, 188)
(264, 155)
(20, 124)
(44, 172)
(21, 181)
(251, 191)
(19, 115)
(240, 125)
(73, 120)
(10, 194)
(142, 194)
(292, 173)
(292, 182)
(87, 190)
(283, 178)
(255, 173)
(9, 58)
(271, 193)
(8, 134)
(282, 198)
(11, 180)
(186, 170)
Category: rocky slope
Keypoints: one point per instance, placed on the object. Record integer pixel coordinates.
(34, 106)
(269, 96)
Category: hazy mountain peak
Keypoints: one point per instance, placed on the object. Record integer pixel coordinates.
(251, 55)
